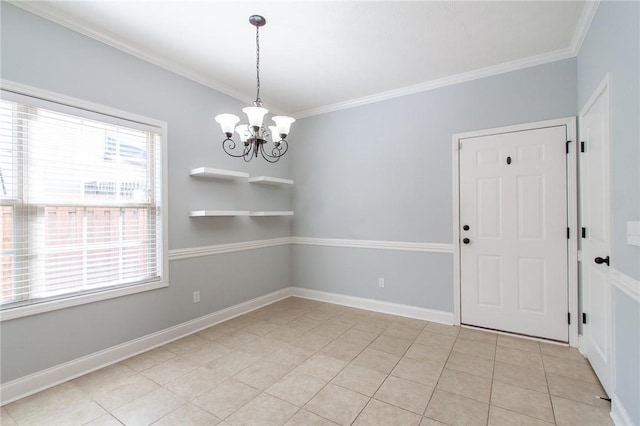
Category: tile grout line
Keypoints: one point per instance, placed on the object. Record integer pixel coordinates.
(340, 321)
(319, 390)
(516, 412)
(315, 353)
(546, 380)
(440, 376)
(264, 391)
(389, 374)
(493, 375)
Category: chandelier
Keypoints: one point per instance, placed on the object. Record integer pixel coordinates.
(254, 135)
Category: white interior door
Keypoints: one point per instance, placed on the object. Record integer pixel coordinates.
(513, 220)
(595, 209)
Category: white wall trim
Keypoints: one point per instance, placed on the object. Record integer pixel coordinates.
(572, 211)
(83, 299)
(604, 84)
(47, 95)
(191, 252)
(618, 413)
(45, 11)
(41, 380)
(625, 284)
(443, 82)
(588, 13)
(36, 382)
(376, 305)
(375, 244)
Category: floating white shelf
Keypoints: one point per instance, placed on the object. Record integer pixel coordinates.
(272, 213)
(268, 180)
(203, 213)
(208, 172)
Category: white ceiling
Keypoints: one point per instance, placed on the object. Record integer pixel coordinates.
(319, 56)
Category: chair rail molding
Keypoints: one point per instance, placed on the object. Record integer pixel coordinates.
(191, 252)
(375, 244)
(623, 282)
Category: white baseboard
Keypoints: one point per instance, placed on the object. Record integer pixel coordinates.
(376, 305)
(618, 414)
(45, 379)
(36, 382)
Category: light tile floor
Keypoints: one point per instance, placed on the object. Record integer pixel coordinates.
(302, 362)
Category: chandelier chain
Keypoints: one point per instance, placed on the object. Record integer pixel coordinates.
(258, 100)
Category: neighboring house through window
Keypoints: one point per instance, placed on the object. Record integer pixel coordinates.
(80, 203)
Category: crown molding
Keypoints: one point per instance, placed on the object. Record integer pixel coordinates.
(443, 82)
(586, 18)
(584, 24)
(45, 11)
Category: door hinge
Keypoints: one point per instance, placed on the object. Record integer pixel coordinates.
(584, 232)
(584, 318)
(568, 233)
(582, 146)
(569, 317)
(568, 142)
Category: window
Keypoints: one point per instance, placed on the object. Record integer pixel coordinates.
(80, 204)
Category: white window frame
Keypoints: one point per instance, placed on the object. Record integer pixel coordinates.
(107, 293)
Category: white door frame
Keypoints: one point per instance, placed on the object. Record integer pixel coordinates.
(572, 212)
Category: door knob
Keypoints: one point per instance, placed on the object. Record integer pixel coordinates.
(600, 260)
(466, 240)
(466, 227)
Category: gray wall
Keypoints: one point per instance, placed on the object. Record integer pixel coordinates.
(42, 54)
(383, 172)
(613, 45)
(411, 278)
(357, 177)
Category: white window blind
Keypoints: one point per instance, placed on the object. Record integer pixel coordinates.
(80, 202)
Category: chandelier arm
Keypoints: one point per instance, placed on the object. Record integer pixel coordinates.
(247, 154)
(266, 156)
(231, 146)
(285, 144)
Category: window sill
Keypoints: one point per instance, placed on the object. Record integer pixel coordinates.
(54, 305)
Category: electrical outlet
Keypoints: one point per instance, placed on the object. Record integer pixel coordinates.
(381, 282)
(196, 297)
(633, 233)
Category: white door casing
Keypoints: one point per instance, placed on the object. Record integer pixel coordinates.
(509, 287)
(595, 218)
